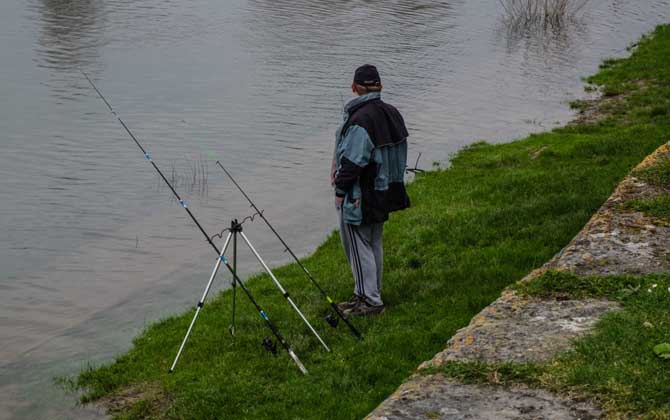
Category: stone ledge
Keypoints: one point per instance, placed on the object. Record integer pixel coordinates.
(516, 329)
(618, 241)
(438, 397)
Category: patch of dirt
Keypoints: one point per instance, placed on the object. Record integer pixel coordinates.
(123, 400)
(594, 110)
(536, 154)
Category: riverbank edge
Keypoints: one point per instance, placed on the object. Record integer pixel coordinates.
(521, 332)
(130, 408)
(525, 329)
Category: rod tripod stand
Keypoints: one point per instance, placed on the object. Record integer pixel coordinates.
(220, 258)
(234, 232)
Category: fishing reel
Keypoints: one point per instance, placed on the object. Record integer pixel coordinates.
(333, 321)
(270, 345)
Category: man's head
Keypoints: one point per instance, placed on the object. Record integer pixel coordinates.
(366, 80)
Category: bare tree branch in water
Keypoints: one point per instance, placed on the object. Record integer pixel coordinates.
(191, 175)
(523, 14)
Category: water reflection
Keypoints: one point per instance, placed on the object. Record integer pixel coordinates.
(549, 48)
(73, 32)
(69, 40)
(323, 42)
(307, 51)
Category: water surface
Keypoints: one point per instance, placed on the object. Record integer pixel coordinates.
(93, 248)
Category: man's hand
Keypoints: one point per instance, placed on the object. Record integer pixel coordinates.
(333, 172)
(340, 200)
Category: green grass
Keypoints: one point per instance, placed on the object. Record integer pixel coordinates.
(657, 174)
(553, 284)
(616, 365)
(658, 206)
(496, 213)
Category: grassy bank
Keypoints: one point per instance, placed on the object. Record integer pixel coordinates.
(616, 365)
(496, 213)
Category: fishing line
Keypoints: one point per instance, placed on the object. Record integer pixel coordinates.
(230, 229)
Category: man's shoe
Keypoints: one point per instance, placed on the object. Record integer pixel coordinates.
(363, 308)
(348, 304)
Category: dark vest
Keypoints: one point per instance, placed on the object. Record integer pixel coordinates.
(386, 128)
(382, 121)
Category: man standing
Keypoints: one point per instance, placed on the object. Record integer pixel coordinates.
(368, 175)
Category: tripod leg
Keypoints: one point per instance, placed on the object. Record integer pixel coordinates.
(201, 302)
(232, 325)
(281, 289)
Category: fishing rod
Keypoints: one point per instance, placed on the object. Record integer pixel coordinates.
(221, 258)
(329, 318)
(271, 275)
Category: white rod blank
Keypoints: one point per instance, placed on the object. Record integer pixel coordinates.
(202, 301)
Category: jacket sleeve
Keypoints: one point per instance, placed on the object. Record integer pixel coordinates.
(355, 152)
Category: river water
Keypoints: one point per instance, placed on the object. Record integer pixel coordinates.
(92, 246)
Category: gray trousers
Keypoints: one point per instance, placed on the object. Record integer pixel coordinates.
(363, 247)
